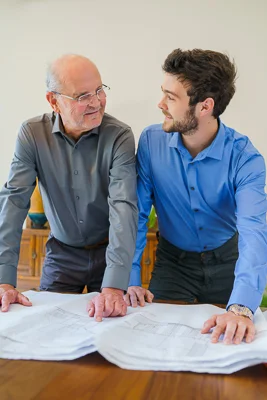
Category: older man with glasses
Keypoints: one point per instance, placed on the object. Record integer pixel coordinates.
(85, 163)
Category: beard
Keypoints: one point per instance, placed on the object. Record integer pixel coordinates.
(187, 126)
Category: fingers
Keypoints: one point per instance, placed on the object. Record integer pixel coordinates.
(149, 296)
(8, 298)
(90, 308)
(239, 333)
(103, 305)
(6, 301)
(217, 332)
(115, 307)
(99, 304)
(230, 330)
(21, 299)
(137, 295)
(251, 331)
(11, 295)
(235, 328)
(209, 324)
(127, 299)
(133, 297)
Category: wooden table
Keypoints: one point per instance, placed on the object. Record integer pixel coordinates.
(93, 377)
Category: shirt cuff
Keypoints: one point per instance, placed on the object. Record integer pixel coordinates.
(135, 278)
(116, 277)
(245, 295)
(8, 275)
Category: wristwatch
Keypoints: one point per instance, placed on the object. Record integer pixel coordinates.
(240, 310)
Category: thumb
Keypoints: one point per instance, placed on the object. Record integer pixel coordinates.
(23, 300)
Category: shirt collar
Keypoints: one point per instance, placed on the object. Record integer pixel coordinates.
(215, 149)
(59, 128)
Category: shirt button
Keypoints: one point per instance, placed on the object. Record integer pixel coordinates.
(200, 228)
(192, 188)
(196, 209)
(75, 172)
(81, 221)
(77, 197)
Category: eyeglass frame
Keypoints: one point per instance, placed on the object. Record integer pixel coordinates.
(78, 99)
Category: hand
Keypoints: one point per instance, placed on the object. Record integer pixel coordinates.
(234, 327)
(137, 294)
(9, 295)
(109, 303)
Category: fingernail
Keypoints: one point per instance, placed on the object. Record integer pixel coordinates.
(98, 319)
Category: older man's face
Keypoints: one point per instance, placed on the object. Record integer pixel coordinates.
(79, 117)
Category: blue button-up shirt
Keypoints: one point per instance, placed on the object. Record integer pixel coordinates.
(201, 202)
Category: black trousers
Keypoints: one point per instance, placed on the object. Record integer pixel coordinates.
(206, 277)
(70, 269)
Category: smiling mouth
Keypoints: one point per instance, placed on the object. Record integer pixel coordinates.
(167, 116)
(92, 112)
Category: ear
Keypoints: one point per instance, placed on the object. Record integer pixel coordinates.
(52, 100)
(207, 106)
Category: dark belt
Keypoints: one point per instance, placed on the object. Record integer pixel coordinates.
(88, 246)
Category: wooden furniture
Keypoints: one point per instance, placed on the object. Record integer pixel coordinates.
(32, 253)
(92, 377)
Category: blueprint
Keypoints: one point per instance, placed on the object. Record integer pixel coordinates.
(154, 337)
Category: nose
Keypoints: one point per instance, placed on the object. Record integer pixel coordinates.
(162, 104)
(94, 100)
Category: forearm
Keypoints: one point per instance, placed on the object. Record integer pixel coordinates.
(11, 222)
(251, 268)
(122, 239)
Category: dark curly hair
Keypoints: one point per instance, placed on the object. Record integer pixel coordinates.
(206, 73)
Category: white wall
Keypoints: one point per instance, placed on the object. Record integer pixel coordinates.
(129, 41)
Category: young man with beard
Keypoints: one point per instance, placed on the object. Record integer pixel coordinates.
(85, 163)
(206, 182)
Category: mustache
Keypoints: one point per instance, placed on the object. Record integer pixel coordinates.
(166, 114)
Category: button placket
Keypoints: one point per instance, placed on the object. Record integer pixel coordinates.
(195, 201)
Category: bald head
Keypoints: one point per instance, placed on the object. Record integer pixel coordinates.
(68, 70)
(70, 78)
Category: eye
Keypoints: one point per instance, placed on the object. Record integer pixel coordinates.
(170, 98)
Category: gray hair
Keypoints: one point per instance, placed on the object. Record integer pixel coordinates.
(56, 77)
(53, 81)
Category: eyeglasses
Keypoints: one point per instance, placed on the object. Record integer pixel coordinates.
(87, 98)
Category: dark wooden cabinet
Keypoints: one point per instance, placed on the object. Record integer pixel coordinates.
(32, 254)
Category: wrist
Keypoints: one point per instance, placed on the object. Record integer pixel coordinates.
(112, 290)
(240, 310)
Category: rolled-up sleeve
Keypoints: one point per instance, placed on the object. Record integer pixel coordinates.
(123, 213)
(14, 205)
(251, 207)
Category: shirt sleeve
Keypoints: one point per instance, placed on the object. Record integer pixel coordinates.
(14, 205)
(123, 213)
(145, 201)
(251, 207)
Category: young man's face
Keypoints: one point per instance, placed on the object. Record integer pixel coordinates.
(179, 116)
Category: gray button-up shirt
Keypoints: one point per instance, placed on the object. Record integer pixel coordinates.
(88, 189)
